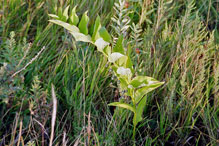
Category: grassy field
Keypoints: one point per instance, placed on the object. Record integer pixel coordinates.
(173, 41)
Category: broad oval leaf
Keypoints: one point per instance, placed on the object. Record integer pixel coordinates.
(60, 13)
(53, 16)
(126, 62)
(67, 26)
(97, 27)
(107, 51)
(122, 61)
(104, 34)
(140, 93)
(84, 23)
(141, 81)
(119, 46)
(65, 13)
(74, 17)
(81, 37)
(139, 109)
(123, 105)
(123, 83)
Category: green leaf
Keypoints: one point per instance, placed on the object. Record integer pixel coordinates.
(140, 93)
(104, 34)
(97, 27)
(140, 108)
(74, 17)
(67, 26)
(129, 50)
(126, 62)
(84, 23)
(129, 64)
(115, 69)
(60, 13)
(140, 81)
(53, 16)
(123, 84)
(81, 37)
(123, 105)
(107, 50)
(119, 46)
(65, 13)
(122, 61)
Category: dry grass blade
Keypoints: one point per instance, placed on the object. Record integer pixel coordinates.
(77, 142)
(20, 132)
(64, 141)
(14, 130)
(89, 128)
(41, 125)
(31, 61)
(54, 99)
(25, 54)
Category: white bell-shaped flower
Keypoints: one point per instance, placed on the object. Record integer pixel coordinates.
(124, 71)
(115, 56)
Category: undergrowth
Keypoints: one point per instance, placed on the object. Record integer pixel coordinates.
(171, 41)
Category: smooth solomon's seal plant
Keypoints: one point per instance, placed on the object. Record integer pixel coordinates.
(136, 87)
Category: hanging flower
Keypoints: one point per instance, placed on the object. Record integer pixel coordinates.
(124, 71)
(101, 44)
(115, 56)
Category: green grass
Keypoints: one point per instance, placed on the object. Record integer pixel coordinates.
(178, 44)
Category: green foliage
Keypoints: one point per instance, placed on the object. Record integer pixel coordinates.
(174, 41)
(83, 24)
(12, 59)
(104, 34)
(136, 35)
(136, 87)
(97, 27)
(121, 19)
